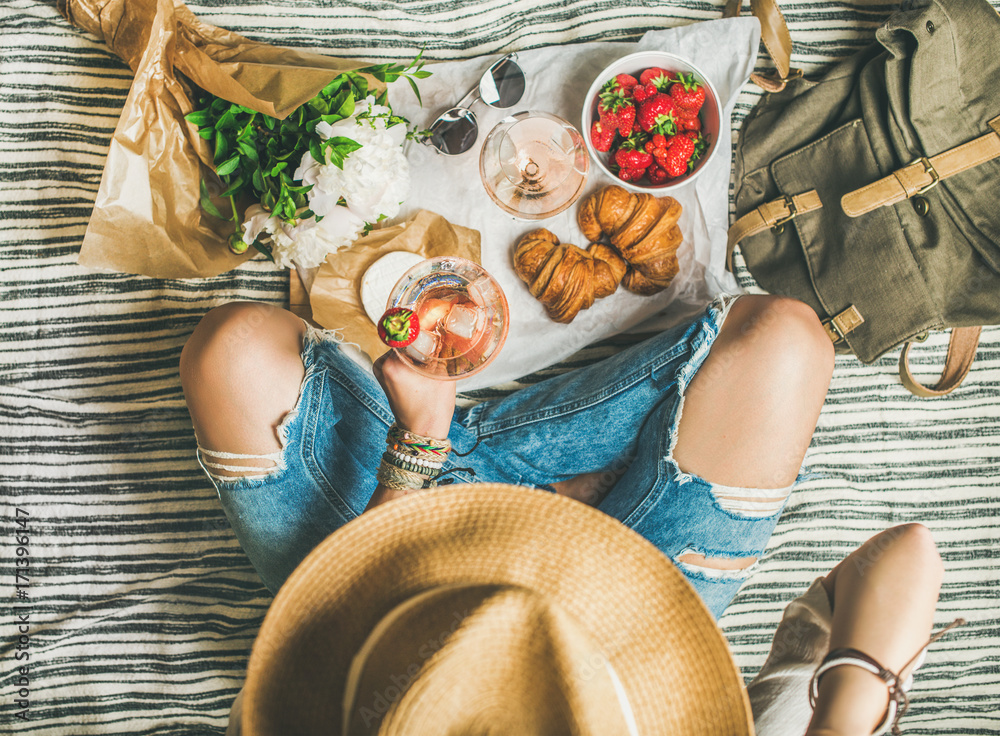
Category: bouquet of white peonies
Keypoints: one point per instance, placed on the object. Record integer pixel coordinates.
(318, 179)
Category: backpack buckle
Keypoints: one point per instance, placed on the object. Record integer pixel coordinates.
(779, 226)
(928, 169)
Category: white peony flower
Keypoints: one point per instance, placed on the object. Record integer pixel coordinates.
(374, 181)
(375, 178)
(307, 243)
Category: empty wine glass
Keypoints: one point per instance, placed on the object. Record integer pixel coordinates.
(534, 165)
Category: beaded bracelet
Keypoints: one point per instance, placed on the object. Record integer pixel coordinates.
(412, 460)
(389, 458)
(399, 479)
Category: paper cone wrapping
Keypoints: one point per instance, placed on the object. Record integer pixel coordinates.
(147, 218)
(335, 294)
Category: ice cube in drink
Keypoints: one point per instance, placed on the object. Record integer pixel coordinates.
(463, 320)
(424, 348)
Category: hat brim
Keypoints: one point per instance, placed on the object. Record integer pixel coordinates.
(650, 624)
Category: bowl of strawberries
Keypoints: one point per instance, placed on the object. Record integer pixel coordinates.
(652, 121)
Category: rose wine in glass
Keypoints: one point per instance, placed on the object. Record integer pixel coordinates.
(463, 317)
(534, 165)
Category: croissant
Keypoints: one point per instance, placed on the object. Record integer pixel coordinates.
(642, 228)
(563, 277)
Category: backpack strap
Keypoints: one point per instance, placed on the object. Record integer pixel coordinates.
(922, 174)
(777, 40)
(961, 352)
(773, 214)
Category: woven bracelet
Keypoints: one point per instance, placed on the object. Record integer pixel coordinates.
(399, 479)
(403, 440)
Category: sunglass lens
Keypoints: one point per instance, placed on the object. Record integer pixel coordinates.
(454, 132)
(504, 85)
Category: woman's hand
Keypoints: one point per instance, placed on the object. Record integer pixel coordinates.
(420, 404)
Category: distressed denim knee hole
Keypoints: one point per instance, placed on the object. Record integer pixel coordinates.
(692, 562)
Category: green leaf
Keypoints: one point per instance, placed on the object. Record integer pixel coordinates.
(278, 167)
(228, 166)
(198, 117)
(234, 186)
(265, 249)
(258, 180)
(346, 108)
(413, 86)
(319, 105)
(228, 120)
(249, 150)
(205, 133)
(316, 150)
(208, 205)
(221, 146)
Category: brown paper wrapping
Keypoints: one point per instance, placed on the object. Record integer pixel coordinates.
(147, 218)
(336, 290)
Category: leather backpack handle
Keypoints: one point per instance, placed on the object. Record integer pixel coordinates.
(777, 40)
(961, 352)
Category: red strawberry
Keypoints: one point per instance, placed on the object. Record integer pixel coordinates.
(606, 114)
(643, 92)
(679, 151)
(630, 174)
(602, 136)
(659, 141)
(656, 175)
(656, 77)
(649, 74)
(657, 112)
(624, 84)
(631, 159)
(688, 95)
(685, 123)
(626, 119)
(398, 327)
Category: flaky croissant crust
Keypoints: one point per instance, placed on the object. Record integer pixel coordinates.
(642, 228)
(563, 277)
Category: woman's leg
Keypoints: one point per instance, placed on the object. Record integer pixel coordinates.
(241, 371)
(290, 430)
(751, 409)
(705, 484)
(883, 597)
(879, 600)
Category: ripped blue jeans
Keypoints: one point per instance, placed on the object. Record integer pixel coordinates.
(618, 417)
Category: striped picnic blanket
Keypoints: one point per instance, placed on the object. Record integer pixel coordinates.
(127, 600)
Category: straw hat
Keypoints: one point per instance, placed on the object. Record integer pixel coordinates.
(490, 609)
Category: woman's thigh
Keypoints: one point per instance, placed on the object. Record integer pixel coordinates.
(621, 417)
(324, 472)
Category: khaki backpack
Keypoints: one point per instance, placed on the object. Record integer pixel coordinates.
(872, 193)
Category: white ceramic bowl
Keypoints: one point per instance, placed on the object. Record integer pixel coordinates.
(635, 64)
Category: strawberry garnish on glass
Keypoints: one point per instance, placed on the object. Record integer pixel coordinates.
(398, 327)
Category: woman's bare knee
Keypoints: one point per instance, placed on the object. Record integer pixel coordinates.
(241, 370)
(751, 409)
